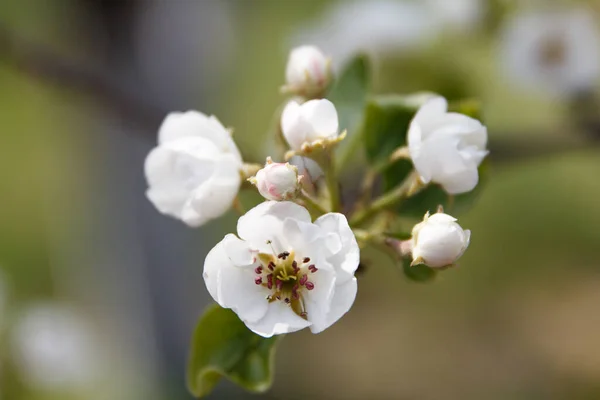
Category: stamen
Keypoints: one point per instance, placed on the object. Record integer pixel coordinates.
(272, 266)
(295, 294)
(295, 266)
(270, 281)
(287, 300)
(258, 270)
(303, 279)
(312, 268)
(306, 260)
(278, 284)
(309, 285)
(258, 280)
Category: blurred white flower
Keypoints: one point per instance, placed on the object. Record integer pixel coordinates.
(438, 241)
(445, 147)
(379, 27)
(277, 181)
(194, 172)
(54, 349)
(557, 51)
(310, 122)
(308, 71)
(285, 273)
(460, 15)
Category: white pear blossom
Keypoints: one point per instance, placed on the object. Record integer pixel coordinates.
(308, 71)
(446, 147)
(378, 28)
(284, 272)
(277, 181)
(553, 51)
(194, 173)
(54, 348)
(438, 241)
(310, 123)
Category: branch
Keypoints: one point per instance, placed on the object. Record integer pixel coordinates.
(46, 66)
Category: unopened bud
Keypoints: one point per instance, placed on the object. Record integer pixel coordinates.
(438, 241)
(277, 181)
(308, 72)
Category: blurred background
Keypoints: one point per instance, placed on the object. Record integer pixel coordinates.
(100, 293)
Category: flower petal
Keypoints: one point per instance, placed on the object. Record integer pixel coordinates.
(264, 223)
(318, 300)
(346, 260)
(233, 286)
(279, 319)
(342, 300)
(429, 114)
(323, 118)
(196, 124)
(174, 171)
(293, 126)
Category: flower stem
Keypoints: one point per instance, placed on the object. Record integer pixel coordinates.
(312, 205)
(327, 164)
(408, 187)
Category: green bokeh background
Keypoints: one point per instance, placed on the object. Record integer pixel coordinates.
(517, 319)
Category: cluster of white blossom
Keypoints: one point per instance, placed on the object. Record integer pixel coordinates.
(290, 267)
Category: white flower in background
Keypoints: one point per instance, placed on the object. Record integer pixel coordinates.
(438, 241)
(309, 123)
(554, 51)
(308, 71)
(53, 348)
(284, 272)
(377, 28)
(445, 147)
(194, 172)
(460, 15)
(277, 181)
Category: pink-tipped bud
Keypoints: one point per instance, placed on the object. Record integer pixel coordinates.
(277, 181)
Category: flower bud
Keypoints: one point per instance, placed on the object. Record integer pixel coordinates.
(446, 148)
(277, 181)
(310, 125)
(308, 72)
(438, 241)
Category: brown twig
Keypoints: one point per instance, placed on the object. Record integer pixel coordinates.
(48, 66)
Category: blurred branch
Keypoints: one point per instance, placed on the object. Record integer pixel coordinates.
(47, 66)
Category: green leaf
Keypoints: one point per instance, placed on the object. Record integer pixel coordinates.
(418, 273)
(349, 95)
(223, 346)
(385, 127)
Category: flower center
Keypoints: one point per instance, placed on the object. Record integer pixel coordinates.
(286, 276)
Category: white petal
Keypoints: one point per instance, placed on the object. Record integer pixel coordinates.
(346, 260)
(441, 218)
(318, 300)
(265, 223)
(181, 124)
(174, 171)
(304, 237)
(214, 197)
(342, 300)
(293, 126)
(195, 124)
(429, 113)
(279, 319)
(233, 286)
(461, 182)
(322, 116)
